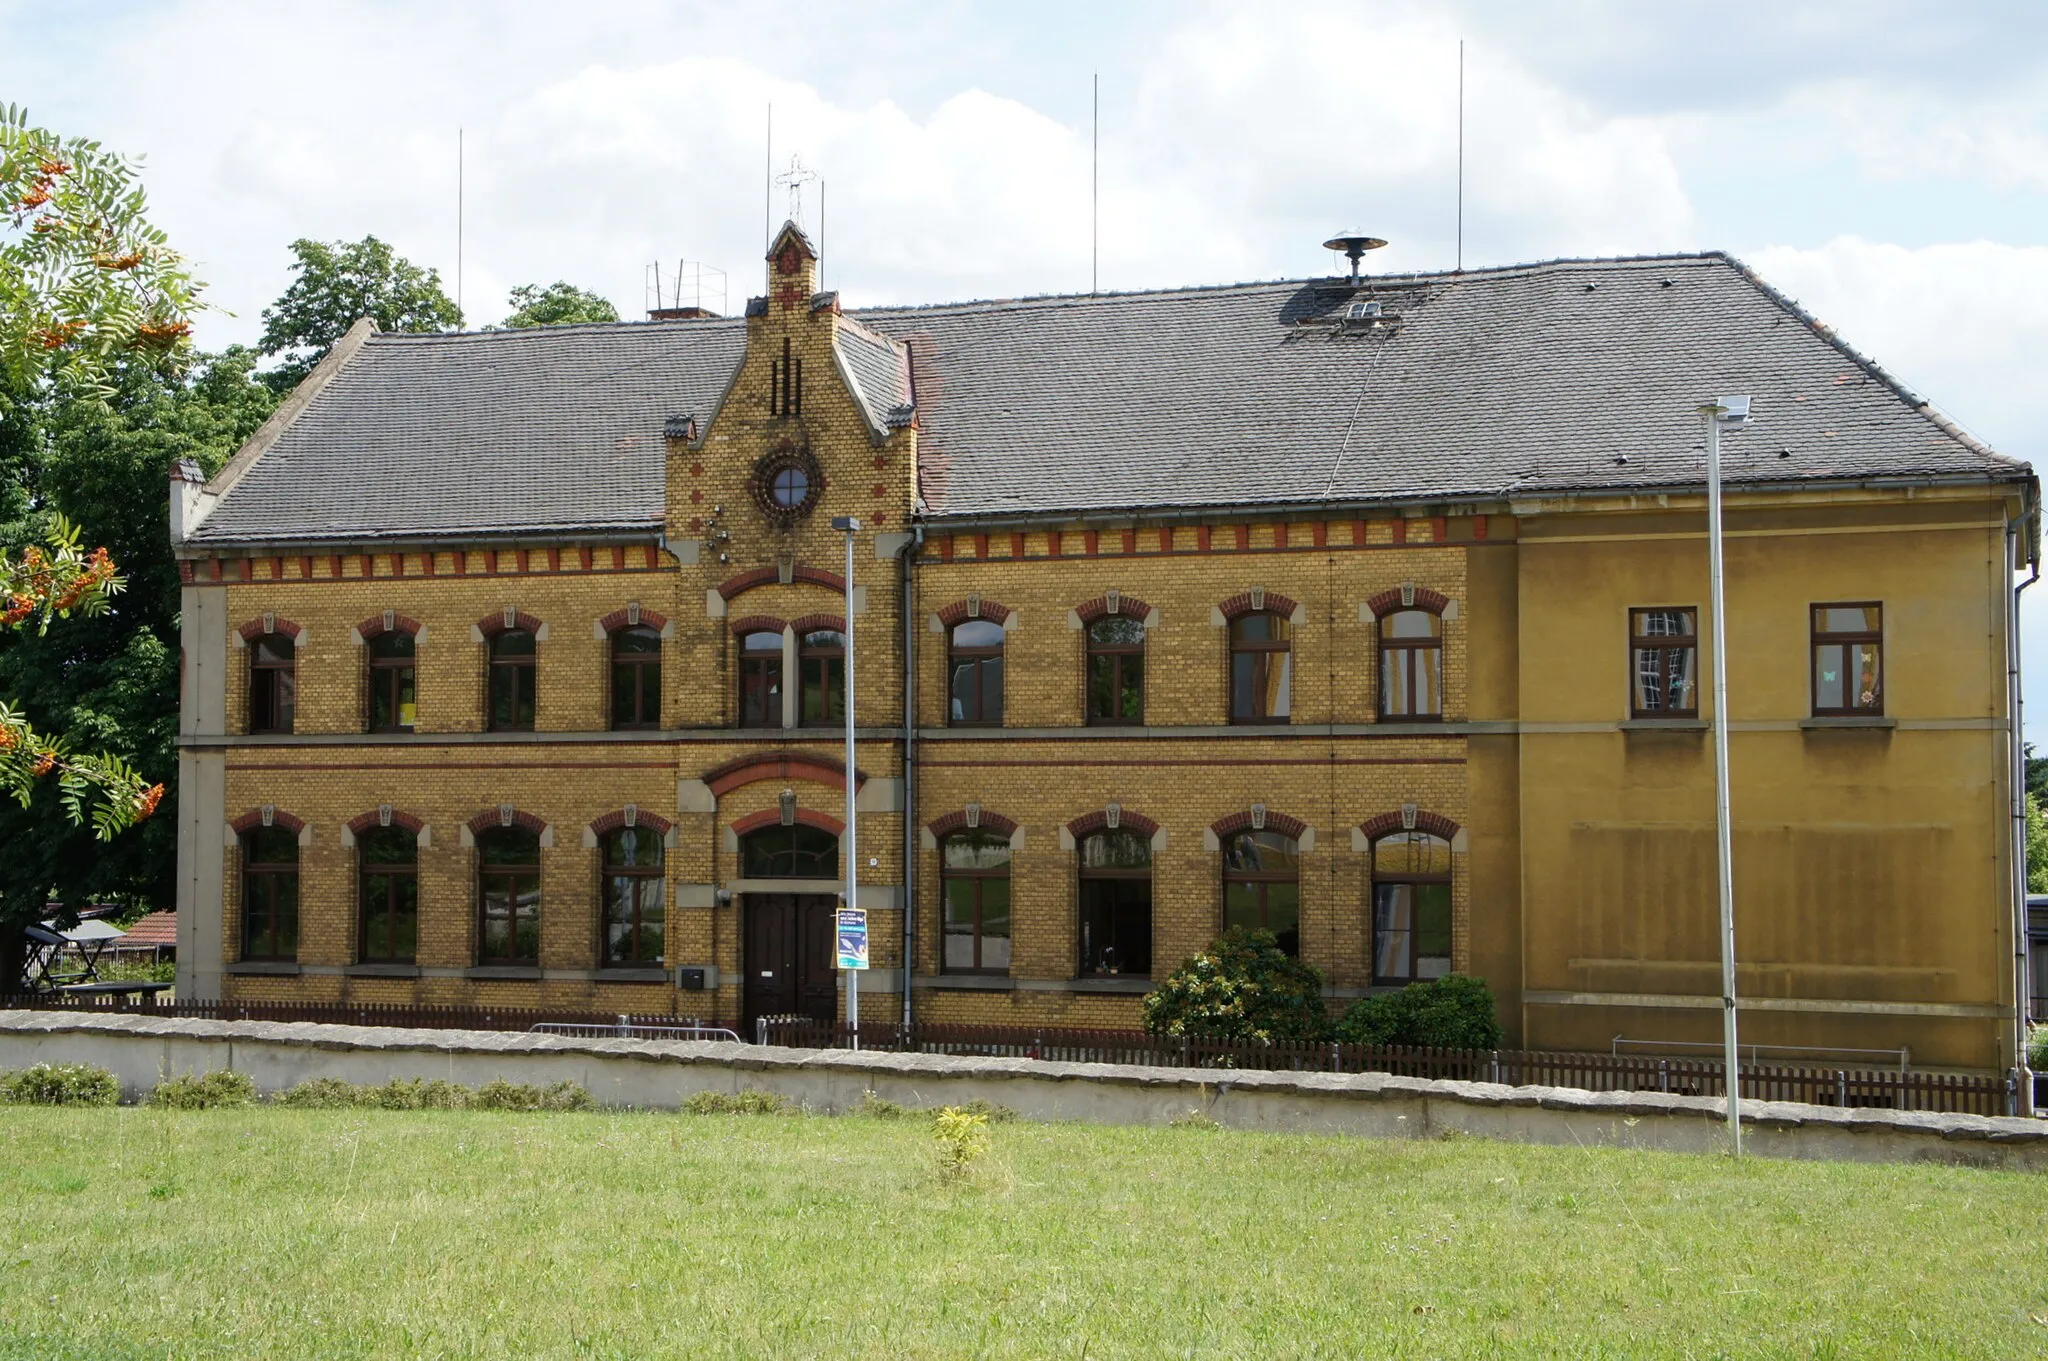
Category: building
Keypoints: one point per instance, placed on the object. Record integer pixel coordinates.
(1367, 609)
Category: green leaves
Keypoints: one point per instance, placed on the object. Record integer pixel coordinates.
(559, 304)
(338, 284)
(1245, 987)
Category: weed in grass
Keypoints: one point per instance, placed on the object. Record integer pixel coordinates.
(61, 1084)
(204, 1091)
(500, 1095)
(962, 1137)
(163, 1190)
(321, 1094)
(1196, 1119)
(989, 1110)
(879, 1108)
(737, 1103)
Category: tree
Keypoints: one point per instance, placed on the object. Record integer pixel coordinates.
(339, 283)
(559, 304)
(2037, 846)
(84, 278)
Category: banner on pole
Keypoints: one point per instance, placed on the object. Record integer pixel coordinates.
(853, 937)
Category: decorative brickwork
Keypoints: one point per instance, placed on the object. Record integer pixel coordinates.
(374, 627)
(772, 817)
(496, 623)
(253, 819)
(622, 618)
(613, 821)
(960, 611)
(1251, 602)
(1434, 823)
(1275, 822)
(1386, 602)
(1089, 823)
(492, 818)
(797, 765)
(811, 623)
(771, 576)
(256, 628)
(375, 818)
(758, 623)
(949, 823)
(1128, 606)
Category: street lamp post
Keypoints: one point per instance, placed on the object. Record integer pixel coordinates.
(1732, 412)
(850, 526)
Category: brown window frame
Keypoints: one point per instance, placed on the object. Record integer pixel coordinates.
(273, 684)
(831, 679)
(978, 656)
(388, 675)
(638, 664)
(260, 882)
(948, 875)
(396, 872)
(1106, 875)
(1117, 659)
(1252, 647)
(1853, 638)
(1404, 652)
(511, 665)
(1375, 880)
(1660, 643)
(648, 885)
(1262, 880)
(761, 671)
(505, 876)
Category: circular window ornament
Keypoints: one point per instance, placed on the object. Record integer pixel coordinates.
(786, 484)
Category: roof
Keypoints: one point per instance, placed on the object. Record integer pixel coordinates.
(1565, 376)
(154, 928)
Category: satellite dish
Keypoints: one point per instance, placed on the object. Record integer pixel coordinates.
(1353, 244)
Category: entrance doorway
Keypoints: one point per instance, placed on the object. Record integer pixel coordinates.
(789, 957)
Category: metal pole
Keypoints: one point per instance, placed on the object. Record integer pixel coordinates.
(852, 840)
(1723, 837)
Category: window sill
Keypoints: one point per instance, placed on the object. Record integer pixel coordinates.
(502, 971)
(265, 966)
(1118, 983)
(1873, 721)
(967, 982)
(381, 971)
(632, 975)
(1664, 725)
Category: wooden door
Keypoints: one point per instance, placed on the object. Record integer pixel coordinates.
(789, 957)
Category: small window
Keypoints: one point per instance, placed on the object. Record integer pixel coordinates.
(1411, 908)
(1116, 903)
(393, 686)
(1262, 885)
(508, 896)
(273, 683)
(1411, 665)
(821, 660)
(789, 487)
(387, 861)
(512, 681)
(1848, 659)
(1261, 669)
(761, 680)
(1116, 670)
(974, 887)
(636, 678)
(975, 683)
(1663, 659)
(794, 852)
(634, 920)
(270, 893)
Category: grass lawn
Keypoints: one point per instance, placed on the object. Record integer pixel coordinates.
(283, 1233)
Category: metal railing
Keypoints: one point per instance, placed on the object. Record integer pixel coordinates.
(629, 1029)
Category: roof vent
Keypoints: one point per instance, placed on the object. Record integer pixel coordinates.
(1353, 244)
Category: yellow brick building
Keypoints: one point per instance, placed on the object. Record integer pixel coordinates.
(1370, 610)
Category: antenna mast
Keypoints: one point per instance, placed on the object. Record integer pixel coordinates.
(458, 219)
(768, 184)
(1461, 155)
(1095, 189)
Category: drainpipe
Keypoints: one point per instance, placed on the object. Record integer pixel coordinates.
(2017, 775)
(906, 558)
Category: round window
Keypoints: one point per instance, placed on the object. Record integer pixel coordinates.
(787, 482)
(790, 489)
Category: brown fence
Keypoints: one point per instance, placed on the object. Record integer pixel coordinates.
(1820, 1085)
(339, 1013)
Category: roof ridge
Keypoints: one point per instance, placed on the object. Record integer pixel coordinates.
(385, 339)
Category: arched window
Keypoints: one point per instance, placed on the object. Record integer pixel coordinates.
(270, 893)
(392, 682)
(512, 681)
(633, 900)
(793, 852)
(1411, 907)
(974, 885)
(387, 863)
(636, 677)
(273, 683)
(761, 680)
(1116, 670)
(1261, 671)
(821, 662)
(1116, 903)
(1262, 885)
(508, 896)
(975, 674)
(1411, 665)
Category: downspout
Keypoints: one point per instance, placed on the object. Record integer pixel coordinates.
(2017, 775)
(906, 558)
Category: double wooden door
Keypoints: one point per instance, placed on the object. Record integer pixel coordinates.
(789, 957)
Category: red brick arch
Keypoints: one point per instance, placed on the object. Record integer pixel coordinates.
(1240, 605)
(770, 576)
(1388, 601)
(783, 765)
(490, 820)
(960, 611)
(617, 620)
(367, 822)
(1275, 822)
(1098, 820)
(812, 622)
(254, 629)
(1128, 606)
(949, 823)
(253, 819)
(758, 623)
(1436, 824)
(493, 623)
(613, 821)
(373, 627)
(772, 817)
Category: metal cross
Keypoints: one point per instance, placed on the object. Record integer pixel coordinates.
(795, 178)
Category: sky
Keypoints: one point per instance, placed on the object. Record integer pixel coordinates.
(1885, 163)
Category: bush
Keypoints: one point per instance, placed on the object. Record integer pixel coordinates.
(962, 1136)
(500, 1095)
(2037, 1048)
(737, 1103)
(1245, 987)
(1452, 1012)
(322, 1094)
(203, 1092)
(61, 1084)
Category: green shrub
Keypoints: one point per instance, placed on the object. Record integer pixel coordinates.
(61, 1084)
(1244, 987)
(962, 1136)
(737, 1103)
(205, 1091)
(500, 1095)
(878, 1108)
(412, 1094)
(989, 1111)
(1452, 1012)
(2037, 1048)
(321, 1094)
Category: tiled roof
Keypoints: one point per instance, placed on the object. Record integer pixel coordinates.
(154, 928)
(1572, 375)
(554, 429)
(880, 372)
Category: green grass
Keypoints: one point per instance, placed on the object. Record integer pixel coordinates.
(139, 1232)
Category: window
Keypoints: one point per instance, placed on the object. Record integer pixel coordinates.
(1116, 670)
(273, 684)
(1411, 907)
(508, 896)
(388, 872)
(636, 678)
(1261, 675)
(512, 677)
(1116, 903)
(761, 680)
(270, 893)
(1262, 885)
(1848, 659)
(392, 684)
(633, 900)
(789, 487)
(974, 886)
(1663, 663)
(975, 684)
(821, 664)
(1411, 665)
(794, 852)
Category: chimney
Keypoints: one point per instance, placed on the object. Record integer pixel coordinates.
(680, 313)
(189, 499)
